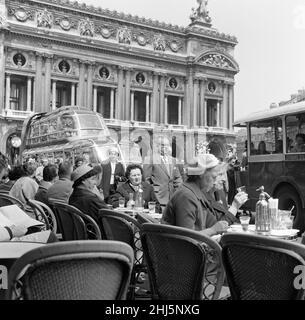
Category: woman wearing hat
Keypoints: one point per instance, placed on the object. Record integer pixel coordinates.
(190, 207)
(85, 195)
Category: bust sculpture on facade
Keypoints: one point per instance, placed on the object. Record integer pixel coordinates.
(201, 14)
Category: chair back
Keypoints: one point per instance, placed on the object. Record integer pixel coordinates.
(119, 226)
(72, 270)
(7, 200)
(182, 264)
(73, 224)
(261, 268)
(144, 218)
(39, 214)
(51, 218)
(122, 227)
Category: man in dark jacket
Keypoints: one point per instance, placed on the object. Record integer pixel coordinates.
(50, 175)
(113, 172)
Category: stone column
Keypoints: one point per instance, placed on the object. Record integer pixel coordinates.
(147, 107)
(112, 103)
(225, 106)
(72, 94)
(81, 85)
(162, 99)
(205, 112)
(196, 103)
(127, 94)
(218, 114)
(202, 106)
(188, 108)
(2, 72)
(166, 109)
(7, 91)
(180, 111)
(119, 101)
(47, 94)
(39, 93)
(132, 106)
(53, 95)
(34, 95)
(89, 85)
(155, 105)
(95, 98)
(231, 106)
(29, 95)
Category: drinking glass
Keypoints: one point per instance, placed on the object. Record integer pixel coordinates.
(244, 220)
(152, 207)
(284, 217)
(121, 202)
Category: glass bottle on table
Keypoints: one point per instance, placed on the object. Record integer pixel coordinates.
(131, 202)
(139, 200)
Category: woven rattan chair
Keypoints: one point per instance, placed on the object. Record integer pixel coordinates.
(41, 214)
(122, 227)
(73, 270)
(7, 200)
(182, 264)
(73, 224)
(144, 218)
(261, 268)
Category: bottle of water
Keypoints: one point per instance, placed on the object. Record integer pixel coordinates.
(131, 203)
(139, 200)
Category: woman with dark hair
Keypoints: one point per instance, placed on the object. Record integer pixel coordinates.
(50, 175)
(85, 195)
(13, 175)
(134, 174)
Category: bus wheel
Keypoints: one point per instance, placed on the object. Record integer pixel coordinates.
(288, 198)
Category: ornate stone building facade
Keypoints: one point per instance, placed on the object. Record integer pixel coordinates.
(136, 72)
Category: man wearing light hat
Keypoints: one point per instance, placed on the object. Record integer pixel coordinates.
(189, 206)
(85, 195)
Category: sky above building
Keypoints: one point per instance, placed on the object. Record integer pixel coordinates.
(271, 36)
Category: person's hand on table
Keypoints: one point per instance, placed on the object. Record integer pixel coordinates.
(220, 227)
(18, 230)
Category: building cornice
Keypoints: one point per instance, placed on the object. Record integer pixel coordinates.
(133, 19)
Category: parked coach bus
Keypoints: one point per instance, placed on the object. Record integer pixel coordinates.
(276, 157)
(65, 134)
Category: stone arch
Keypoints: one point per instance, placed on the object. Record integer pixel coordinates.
(5, 137)
(226, 61)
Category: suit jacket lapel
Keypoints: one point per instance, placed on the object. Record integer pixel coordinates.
(162, 165)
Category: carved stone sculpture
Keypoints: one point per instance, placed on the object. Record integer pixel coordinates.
(159, 43)
(86, 28)
(217, 60)
(201, 14)
(44, 19)
(124, 35)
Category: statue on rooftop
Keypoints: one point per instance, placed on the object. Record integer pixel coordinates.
(201, 14)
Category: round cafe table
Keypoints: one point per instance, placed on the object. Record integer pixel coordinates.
(9, 252)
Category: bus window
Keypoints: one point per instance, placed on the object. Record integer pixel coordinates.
(266, 137)
(295, 130)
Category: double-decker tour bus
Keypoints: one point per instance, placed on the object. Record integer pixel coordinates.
(276, 157)
(65, 134)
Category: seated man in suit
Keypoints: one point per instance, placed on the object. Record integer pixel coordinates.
(113, 172)
(134, 174)
(161, 170)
